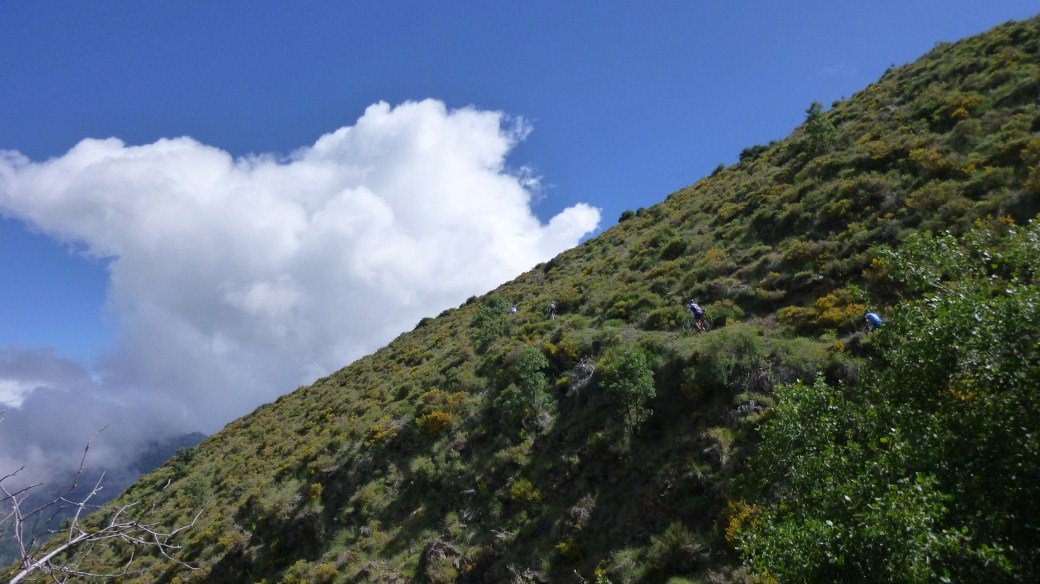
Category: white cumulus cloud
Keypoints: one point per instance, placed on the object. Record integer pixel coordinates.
(233, 280)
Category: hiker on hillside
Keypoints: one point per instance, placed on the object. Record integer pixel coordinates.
(551, 311)
(873, 321)
(698, 313)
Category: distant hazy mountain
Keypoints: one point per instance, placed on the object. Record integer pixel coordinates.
(153, 454)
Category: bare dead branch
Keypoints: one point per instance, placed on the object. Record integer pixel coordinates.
(124, 523)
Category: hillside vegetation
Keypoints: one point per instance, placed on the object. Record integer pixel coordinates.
(610, 445)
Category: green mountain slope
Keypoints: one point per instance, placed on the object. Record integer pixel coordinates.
(607, 442)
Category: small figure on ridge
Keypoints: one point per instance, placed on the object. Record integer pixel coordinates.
(873, 320)
(698, 314)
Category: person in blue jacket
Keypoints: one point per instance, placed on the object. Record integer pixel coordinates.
(873, 321)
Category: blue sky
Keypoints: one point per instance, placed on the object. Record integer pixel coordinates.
(628, 101)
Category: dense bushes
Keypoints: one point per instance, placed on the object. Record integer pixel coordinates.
(842, 310)
(726, 362)
(914, 474)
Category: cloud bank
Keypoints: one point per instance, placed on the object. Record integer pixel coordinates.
(234, 280)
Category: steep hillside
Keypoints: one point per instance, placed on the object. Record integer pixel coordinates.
(608, 443)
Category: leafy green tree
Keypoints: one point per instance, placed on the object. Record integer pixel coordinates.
(627, 380)
(489, 323)
(927, 472)
(526, 368)
(819, 130)
(524, 400)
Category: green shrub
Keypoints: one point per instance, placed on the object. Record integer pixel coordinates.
(524, 402)
(433, 423)
(819, 130)
(626, 565)
(384, 431)
(525, 367)
(522, 491)
(441, 569)
(303, 572)
(675, 550)
(799, 359)
(564, 349)
(752, 152)
(668, 318)
(628, 305)
(726, 361)
(673, 249)
(669, 269)
(489, 322)
(842, 309)
(568, 298)
(690, 387)
(625, 376)
(724, 312)
(909, 475)
(422, 469)
(570, 549)
(325, 572)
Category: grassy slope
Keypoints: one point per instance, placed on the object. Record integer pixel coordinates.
(408, 465)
